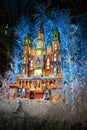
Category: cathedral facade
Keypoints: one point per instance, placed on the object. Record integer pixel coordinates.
(41, 60)
(41, 66)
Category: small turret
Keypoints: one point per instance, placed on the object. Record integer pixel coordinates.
(27, 40)
(56, 35)
(49, 49)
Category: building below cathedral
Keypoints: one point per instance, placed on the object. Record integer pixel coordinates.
(41, 73)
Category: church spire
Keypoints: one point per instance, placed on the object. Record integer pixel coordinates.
(41, 30)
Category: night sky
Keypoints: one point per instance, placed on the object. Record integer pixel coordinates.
(11, 10)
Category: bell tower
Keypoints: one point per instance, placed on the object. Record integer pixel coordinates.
(26, 57)
(56, 53)
(40, 41)
(40, 52)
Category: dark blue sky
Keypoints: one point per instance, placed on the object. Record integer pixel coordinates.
(10, 10)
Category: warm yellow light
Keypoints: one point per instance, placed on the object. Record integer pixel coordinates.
(48, 67)
(38, 52)
(38, 72)
(31, 68)
(41, 35)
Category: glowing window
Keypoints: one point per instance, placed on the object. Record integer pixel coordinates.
(48, 61)
(55, 70)
(38, 52)
(31, 63)
(55, 46)
(55, 57)
(38, 72)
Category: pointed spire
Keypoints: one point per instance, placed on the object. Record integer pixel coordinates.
(41, 30)
(56, 29)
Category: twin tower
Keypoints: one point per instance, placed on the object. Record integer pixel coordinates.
(41, 60)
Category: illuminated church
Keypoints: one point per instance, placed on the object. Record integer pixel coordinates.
(41, 65)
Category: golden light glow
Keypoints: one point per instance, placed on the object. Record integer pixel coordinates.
(38, 52)
(38, 72)
(41, 35)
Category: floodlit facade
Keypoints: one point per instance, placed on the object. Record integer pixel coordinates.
(41, 66)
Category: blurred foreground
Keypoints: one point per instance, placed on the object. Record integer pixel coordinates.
(24, 114)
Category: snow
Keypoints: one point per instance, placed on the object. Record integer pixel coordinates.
(43, 109)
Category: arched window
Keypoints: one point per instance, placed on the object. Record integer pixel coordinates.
(55, 71)
(55, 57)
(55, 46)
(48, 62)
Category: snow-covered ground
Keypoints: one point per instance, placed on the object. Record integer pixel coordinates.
(41, 114)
